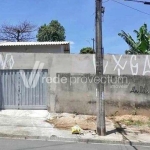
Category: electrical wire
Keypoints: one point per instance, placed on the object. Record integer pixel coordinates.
(144, 2)
(131, 7)
(105, 1)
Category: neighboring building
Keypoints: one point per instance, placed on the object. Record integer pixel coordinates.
(35, 47)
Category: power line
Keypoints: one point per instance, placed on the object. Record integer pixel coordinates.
(131, 7)
(105, 1)
(144, 2)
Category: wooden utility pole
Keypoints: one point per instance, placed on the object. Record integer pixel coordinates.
(93, 44)
(101, 129)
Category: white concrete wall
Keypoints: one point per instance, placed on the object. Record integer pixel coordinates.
(76, 63)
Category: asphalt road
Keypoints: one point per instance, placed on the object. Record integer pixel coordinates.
(9, 144)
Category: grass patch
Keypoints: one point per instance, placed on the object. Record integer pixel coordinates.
(148, 123)
(130, 122)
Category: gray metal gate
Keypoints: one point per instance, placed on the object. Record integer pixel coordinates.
(17, 93)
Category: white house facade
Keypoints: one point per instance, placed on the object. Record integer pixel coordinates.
(35, 47)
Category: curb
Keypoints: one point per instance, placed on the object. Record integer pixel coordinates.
(80, 140)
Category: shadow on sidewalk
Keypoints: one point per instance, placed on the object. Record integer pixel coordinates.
(122, 131)
(111, 132)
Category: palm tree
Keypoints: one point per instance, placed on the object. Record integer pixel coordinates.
(141, 45)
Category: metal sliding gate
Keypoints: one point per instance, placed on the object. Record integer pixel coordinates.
(26, 89)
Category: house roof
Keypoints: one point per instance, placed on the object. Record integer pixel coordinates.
(33, 43)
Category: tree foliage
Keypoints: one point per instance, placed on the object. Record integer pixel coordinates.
(87, 50)
(142, 43)
(54, 31)
(17, 33)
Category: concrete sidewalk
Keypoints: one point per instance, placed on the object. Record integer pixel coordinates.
(31, 124)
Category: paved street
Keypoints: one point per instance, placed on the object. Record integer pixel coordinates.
(15, 144)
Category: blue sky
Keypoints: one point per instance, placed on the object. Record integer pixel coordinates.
(77, 16)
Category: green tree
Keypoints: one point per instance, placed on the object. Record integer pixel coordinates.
(54, 31)
(142, 43)
(87, 50)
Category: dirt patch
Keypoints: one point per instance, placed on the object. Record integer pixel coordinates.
(87, 122)
(66, 121)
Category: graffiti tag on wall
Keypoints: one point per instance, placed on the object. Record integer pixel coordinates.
(119, 65)
(141, 89)
(6, 62)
